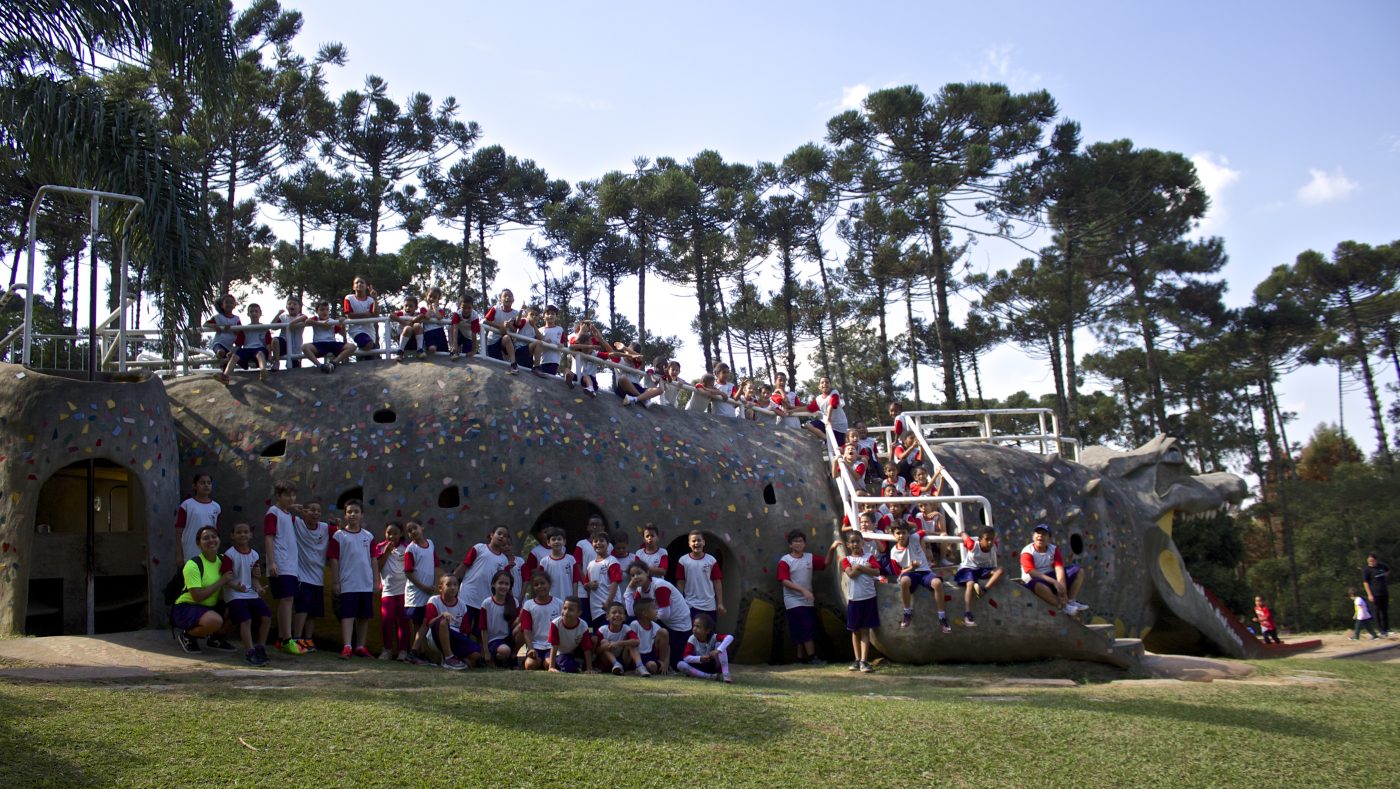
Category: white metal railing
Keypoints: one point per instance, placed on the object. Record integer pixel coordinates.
(1047, 439)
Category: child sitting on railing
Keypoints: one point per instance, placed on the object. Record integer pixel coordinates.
(324, 345)
(503, 318)
(251, 346)
(547, 359)
(587, 343)
(436, 319)
(466, 324)
(410, 320)
(289, 339)
(362, 303)
(224, 321)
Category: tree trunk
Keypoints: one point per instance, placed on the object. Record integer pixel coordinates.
(1358, 339)
(642, 290)
(464, 276)
(977, 379)
(481, 249)
(728, 336)
(940, 304)
(1052, 341)
(224, 277)
(886, 366)
(831, 319)
(913, 342)
(962, 378)
(789, 299)
(1149, 344)
(701, 296)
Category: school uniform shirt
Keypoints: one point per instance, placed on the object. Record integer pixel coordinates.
(532, 562)
(482, 564)
(725, 407)
(325, 330)
(353, 304)
(456, 612)
(697, 648)
(974, 558)
(419, 564)
(1265, 617)
(902, 425)
(1363, 611)
(672, 611)
(535, 618)
(829, 405)
(861, 587)
(624, 559)
(510, 319)
(1045, 562)
(243, 565)
(552, 334)
(607, 573)
(191, 516)
(564, 639)
(289, 335)
(492, 622)
(904, 558)
(699, 576)
(353, 550)
(312, 542)
(646, 636)
(606, 633)
(225, 335)
(392, 578)
(583, 554)
(901, 487)
(281, 526)
(659, 559)
(799, 571)
(564, 574)
(517, 580)
(253, 340)
(438, 318)
(472, 321)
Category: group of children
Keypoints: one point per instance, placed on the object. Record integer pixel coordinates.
(525, 337)
(597, 607)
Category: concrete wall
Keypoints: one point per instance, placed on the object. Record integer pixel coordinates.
(48, 423)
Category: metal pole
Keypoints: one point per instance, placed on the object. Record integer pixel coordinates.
(91, 552)
(121, 311)
(29, 291)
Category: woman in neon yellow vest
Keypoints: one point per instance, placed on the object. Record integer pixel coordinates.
(194, 615)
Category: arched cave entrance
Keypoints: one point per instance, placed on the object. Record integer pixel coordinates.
(718, 548)
(572, 516)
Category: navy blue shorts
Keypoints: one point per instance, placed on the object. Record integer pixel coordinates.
(921, 579)
(650, 657)
(362, 338)
(435, 339)
(1071, 573)
(463, 646)
(248, 356)
(220, 350)
(416, 613)
(465, 344)
(240, 611)
(497, 643)
(966, 575)
(550, 368)
(802, 623)
(281, 345)
(569, 664)
(284, 586)
(677, 639)
(328, 347)
(495, 351)
(355, 605)
(862, 615)
(310, 600)
(523, 356)
(471, 619)
(186, 616)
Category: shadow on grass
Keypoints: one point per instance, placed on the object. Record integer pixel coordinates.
(1224, 715)
(30, 758)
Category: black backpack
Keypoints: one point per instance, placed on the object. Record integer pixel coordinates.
(176, 585)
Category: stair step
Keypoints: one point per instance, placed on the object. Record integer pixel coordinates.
(1101, 628)
(1132, 646)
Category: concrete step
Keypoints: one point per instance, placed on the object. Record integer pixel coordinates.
(1130, 648)
(1105, 628)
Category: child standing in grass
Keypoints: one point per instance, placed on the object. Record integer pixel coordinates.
(1362, 616)
(283, 558)
(420, 564)
(707, 652)
(700, 579)
(243, 594)
(795, 570)
(352, 573)
(313, 537)
(862, 612)
(603, 581)
(395, 629)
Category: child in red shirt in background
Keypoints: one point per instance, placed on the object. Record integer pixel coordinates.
(1265, 618)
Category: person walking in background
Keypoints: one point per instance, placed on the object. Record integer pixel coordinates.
(1376, 579)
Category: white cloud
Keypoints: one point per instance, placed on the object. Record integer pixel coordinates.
(1216, 176)
(852, 96)
(1326, 187)
(997, 66)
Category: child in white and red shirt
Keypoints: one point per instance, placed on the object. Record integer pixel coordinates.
(602, 581)
(978, 572)
(671, 609)
(623, 556)
(587, 344)
(700, 579)
(410, 320)
(225, 322)
(360, 303)
(828, 405)
(707, 652)
(479, 566)
(447, 621)
(862, 612)
(436, 320)
(535, 617)
(909, 561)
(497, 621)
(570, 641)
(795, 570)
(562, 568)
(420, 563)
(325, 351)
(252, 346)
(283, 559)
(195, 513)
(243, 595)
(466, 324)
(353, 576)
(395, 628)
(313, 538)
(290, 337)
(503, 317)
(584, 553)
(617, 643)
(655, 557)
(785, 402)
(653, 645)
(547, 359)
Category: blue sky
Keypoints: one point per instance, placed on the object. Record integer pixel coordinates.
(1289, 109)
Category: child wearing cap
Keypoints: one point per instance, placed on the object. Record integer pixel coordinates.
(1043, 571)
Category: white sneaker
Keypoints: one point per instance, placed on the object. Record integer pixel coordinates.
(628, 400)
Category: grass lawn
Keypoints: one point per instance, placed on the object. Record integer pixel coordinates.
(1296, 722)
